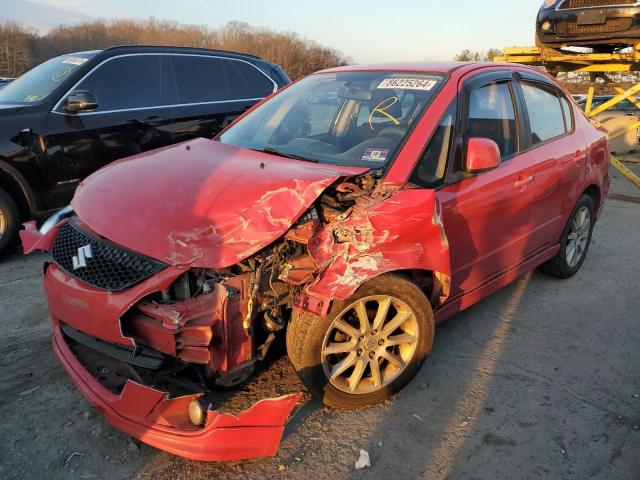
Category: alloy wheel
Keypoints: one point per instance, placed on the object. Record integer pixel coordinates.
(578, 237)
(369, 344)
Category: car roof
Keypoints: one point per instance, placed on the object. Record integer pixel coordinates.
(176, 49)
(431, 67)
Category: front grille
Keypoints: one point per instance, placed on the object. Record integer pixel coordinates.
(610, 26)
(109, 267)
(594, 3)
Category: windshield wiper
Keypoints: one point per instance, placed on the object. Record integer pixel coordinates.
(273, 151)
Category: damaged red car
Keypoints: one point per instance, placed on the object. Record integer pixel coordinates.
(349, 213)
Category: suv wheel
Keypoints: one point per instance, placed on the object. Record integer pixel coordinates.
(367, 347)
(9, 221)
(575, 241)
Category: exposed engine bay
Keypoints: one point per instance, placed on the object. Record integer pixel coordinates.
(222, 321)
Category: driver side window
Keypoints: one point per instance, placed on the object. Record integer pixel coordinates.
(492, 115)
(126, 82)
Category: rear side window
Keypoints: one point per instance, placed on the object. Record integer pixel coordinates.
(127, 82)
(200, 79)
(492, 115)
(246, 81)
(545, 113)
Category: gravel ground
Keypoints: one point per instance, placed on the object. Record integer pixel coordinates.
(540, 380)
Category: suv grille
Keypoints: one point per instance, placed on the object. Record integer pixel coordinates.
(109, 267)
(594, 3)
(611, 25)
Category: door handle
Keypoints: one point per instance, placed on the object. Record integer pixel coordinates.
(523, 181)
(152, 121)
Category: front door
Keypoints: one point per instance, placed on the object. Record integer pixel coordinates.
(486, 215)
(133, 115)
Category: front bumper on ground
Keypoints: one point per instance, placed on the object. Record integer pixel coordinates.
(138, 410)
(146, 414)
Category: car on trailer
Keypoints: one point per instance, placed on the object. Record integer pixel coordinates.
(603, 25)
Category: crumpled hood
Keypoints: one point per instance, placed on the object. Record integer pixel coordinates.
(201, 203)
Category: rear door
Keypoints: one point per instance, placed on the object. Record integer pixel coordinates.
(134, 94)
(212, 92)
(558, 155)
(486, 215)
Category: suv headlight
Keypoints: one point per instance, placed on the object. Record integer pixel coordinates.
(53, 220)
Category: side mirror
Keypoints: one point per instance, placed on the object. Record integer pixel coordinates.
(482, 154)
(80, 101)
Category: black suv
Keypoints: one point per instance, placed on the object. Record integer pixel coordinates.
(601, 24)
(75, 113)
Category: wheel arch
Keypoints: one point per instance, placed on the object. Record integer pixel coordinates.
(594, 192)
(17, 187)
(428, 281)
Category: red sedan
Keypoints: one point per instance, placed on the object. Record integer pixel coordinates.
(351, 212)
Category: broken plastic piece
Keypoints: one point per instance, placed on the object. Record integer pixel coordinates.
(33, 240)
(151, 417)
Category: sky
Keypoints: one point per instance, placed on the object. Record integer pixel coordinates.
(365, 30)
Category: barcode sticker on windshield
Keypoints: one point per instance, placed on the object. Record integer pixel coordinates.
(375, 154)
(408, 83)
(75, 60)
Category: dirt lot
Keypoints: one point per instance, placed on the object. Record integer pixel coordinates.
(541, 380)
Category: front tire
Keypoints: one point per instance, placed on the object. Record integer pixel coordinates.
(575, 241)
(367, 347)
(9, 222)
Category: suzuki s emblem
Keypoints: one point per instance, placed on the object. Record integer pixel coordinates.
(80, 260)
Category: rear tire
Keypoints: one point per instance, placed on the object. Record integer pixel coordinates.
(383, 357)
(9, 222)
(575, 241)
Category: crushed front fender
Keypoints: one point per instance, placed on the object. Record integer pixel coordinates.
(400, 229)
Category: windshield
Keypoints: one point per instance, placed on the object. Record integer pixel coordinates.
(348, 118)
(40, 81)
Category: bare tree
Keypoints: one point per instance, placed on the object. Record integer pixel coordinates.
(22, 48)
(467, 55)
(15, 49)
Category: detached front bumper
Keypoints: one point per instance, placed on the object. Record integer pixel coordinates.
(148, 415)
(145, 413)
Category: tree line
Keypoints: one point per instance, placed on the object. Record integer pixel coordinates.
(21, 47)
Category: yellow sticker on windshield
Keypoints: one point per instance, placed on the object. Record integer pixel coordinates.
(31, 98)
(382, 108)
(408, 83)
